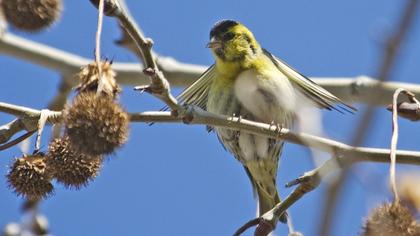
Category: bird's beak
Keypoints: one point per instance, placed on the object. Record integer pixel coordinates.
(214, 43)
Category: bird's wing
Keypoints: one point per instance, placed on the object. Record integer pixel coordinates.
(196, 94)
(313, 91)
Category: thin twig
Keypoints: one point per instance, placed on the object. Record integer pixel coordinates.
(41, 124)
(98, 45)
(17, 140)
(407, 110)
(246, 226)
(308, 182)
(394, 138)
(394, 141)
(290, 225)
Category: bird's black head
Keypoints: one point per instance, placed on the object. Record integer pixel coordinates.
(233, 42)
(222, 27)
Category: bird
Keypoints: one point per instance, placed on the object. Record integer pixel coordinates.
(248, 82)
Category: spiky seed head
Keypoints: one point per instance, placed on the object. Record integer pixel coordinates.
(29, 177)
(391, 219)
(88, 78)
(96, 125)
(69, 167)
(31, 15)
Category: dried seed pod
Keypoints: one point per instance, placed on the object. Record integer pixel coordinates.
(88, 77)
(31, 15)
(96, 125)
(29, 177)
(391, 219)
(70, 167)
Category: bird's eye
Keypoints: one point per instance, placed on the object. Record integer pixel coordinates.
(228, 36)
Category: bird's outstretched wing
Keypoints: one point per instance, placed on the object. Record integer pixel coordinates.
(313, 91)
(196, 93)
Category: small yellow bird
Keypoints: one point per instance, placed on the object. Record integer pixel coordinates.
(249, 82)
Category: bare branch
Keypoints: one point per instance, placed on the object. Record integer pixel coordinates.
(195, 115)
(17, 140)
(68, 64)
(8, 130)
(247, 225)
(407, 110)
(98, 44)
(28, 120)
(159, 86)
(394, 138)
(394, 141)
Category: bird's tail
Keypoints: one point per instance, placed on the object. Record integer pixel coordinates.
(267, 201)
(264, 184)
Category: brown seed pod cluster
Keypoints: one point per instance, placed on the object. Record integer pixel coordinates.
(391, 219)
(31, 15)
(29, 177)
(89, 79)
(96, 125)
(69, 167)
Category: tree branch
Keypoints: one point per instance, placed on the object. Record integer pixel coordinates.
(66, 63)
(195, 115)
(27, 120)
(159, 85)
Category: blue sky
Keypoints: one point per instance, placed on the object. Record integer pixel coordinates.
(177, 179)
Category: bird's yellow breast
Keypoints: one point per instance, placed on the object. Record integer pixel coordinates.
(227, 71)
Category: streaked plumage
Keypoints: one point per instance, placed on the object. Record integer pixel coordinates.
(249, 82)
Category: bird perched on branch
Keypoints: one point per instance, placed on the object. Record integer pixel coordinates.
(249, 82)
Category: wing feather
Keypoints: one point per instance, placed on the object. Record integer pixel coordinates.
(313, 91)
(196, 94)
